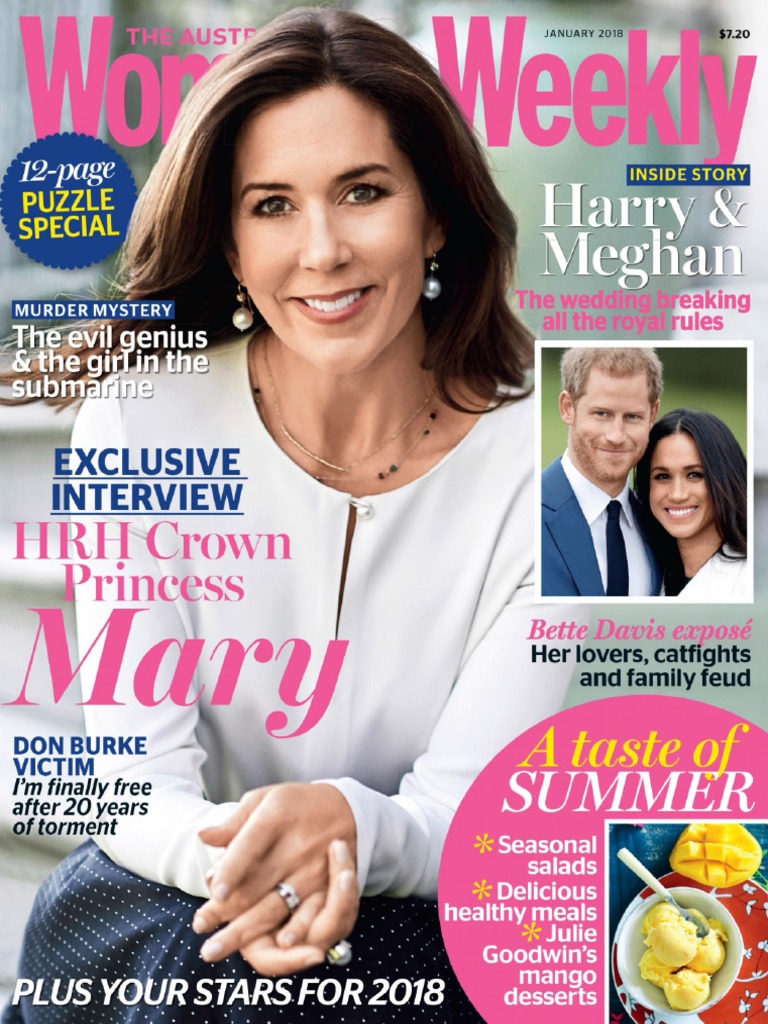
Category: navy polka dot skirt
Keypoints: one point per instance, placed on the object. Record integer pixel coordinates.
(104, 946)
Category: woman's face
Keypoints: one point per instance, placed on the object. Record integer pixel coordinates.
(330, 230)
(679, 495)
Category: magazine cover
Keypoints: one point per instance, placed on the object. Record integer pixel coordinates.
(383, 460)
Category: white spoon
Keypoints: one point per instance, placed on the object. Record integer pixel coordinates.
(642, 872)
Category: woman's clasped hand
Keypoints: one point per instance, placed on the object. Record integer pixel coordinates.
(300, 835)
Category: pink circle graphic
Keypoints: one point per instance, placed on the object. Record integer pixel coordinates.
(523, 889)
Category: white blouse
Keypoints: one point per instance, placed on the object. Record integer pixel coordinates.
(437, 606)
(720, 579)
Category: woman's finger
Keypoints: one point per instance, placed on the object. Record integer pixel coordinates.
(321, 919)
(330, 915)
(266, 958)
(295, 929)
(214, 913)
(262, 823)
(262, 919)
(337, 917)
(224, 833)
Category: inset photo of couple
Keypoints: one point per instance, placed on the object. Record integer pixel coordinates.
(646, 487)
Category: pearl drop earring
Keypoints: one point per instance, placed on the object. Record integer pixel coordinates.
(432, 287)
(242, 318)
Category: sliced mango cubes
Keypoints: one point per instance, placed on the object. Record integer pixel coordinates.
(716, 853)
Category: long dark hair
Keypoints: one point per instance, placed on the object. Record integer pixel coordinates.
(725, 471)
(180, 227)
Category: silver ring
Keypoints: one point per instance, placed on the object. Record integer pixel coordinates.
(340, 954)
(289, 894)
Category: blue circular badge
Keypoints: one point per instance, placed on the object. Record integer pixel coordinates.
(66, 200)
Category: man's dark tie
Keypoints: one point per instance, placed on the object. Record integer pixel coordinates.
(618, 570)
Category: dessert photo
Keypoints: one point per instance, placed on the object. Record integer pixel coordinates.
(689, 929)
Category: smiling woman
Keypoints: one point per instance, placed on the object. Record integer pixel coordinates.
(322, 193)
(692, 481)
(346, 229)
(347, 233)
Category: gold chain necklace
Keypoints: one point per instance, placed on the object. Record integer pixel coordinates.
(425, 432)
(363, 458)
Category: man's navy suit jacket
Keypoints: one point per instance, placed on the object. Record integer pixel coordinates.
(568, 561)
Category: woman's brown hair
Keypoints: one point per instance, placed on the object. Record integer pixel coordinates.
(180, 227)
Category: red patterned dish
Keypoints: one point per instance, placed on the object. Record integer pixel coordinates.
(747, 1000)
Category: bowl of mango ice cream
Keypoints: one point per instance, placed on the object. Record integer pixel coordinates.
(663, 963)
